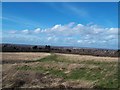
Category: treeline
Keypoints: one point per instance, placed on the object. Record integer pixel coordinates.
(24, 48)
(48, 48)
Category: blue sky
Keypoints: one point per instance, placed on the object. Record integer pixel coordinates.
(65, 24)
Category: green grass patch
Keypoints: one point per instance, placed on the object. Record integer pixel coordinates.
(87, 74)
(51, 57)
(51, 71)
(98, 62)
(25, 67)
(56, 58)
(106, 77)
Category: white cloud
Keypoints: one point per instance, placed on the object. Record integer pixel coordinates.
(26, 31)
(76, 34)
(13, 32)
(79, 41)
(109, 37)
(49, 38)
(112, 31)
(71, 24)
(38, 30)
(56, 27)
(79, 27)
(103, 41)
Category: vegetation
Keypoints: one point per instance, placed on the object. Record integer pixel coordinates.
(104, 74)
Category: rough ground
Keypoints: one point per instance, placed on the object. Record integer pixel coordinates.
(41, 70)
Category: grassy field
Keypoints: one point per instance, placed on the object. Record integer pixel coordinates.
(64, 70)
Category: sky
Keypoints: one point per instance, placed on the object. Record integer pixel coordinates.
(80, 24)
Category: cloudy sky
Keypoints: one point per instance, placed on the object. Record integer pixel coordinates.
(80, 24)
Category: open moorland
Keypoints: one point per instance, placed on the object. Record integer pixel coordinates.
(55, 70)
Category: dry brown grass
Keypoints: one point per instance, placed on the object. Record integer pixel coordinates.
(23, 56)
(79, 84)
(73, 57)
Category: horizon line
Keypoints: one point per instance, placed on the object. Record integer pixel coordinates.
(59, 46)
